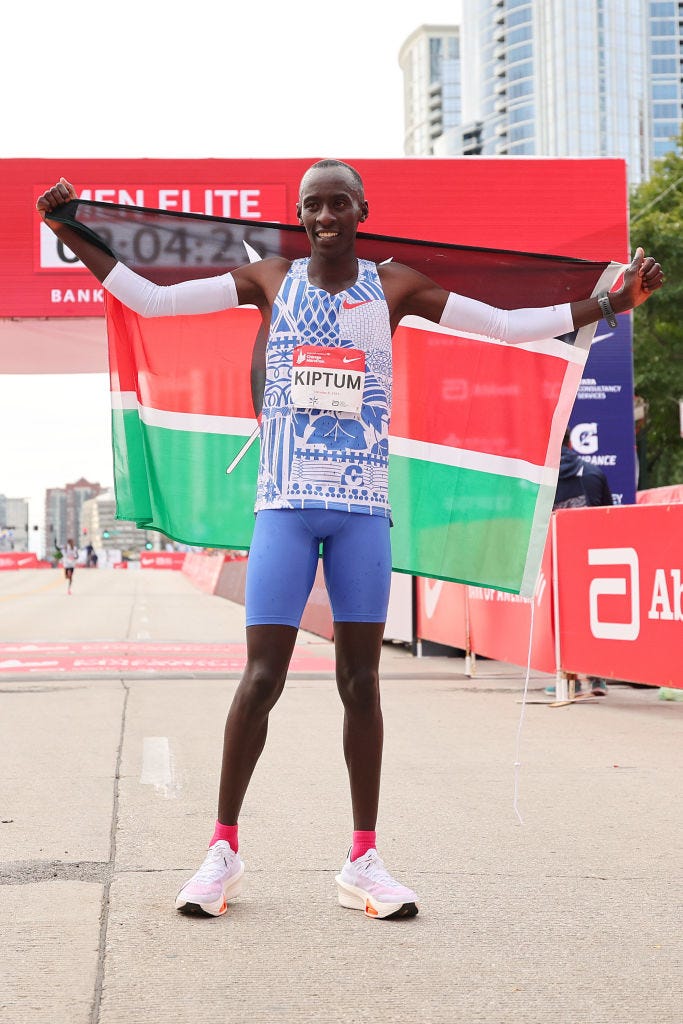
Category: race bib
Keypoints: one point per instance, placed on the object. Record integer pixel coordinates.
(328, 378)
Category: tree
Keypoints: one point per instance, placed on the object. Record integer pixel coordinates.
(657, 225)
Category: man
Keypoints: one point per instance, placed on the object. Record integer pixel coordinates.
(323, 479)
(69, 560)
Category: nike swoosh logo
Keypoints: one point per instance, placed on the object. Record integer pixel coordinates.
(350, 359)
(354, 305)
(432, 593)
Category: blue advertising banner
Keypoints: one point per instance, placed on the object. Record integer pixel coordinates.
(601, 426)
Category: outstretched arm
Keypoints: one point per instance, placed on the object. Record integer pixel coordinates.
(643, 277)
(248, 284)
(411, 293)
(98, 262)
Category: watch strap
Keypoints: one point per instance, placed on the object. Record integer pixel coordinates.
(606, 309)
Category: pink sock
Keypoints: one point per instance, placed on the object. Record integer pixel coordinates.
(362, 842)
(227, 832)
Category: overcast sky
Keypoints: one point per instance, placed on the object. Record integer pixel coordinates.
(208, 79)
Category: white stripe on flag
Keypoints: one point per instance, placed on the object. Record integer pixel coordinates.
(235, 426)
(500, 465)
(124, 400)
(548, 347)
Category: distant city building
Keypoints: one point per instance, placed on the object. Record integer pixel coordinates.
(430, 61)
(76, 494)
(13, 524)
(590, 78)
(63, 512)
(55, 518)
(104, 531)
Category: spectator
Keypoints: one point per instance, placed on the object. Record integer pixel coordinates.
(581, 485)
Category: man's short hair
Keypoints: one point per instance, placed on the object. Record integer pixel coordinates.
(322, 165)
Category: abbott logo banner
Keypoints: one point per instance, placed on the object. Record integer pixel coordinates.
(627, 584)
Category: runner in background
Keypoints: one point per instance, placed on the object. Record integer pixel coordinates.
(323, 480)
(69, 560)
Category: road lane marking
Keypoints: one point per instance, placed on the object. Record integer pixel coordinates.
(52, 585)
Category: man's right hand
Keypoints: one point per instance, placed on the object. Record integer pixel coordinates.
(56, 196)
(96, 260)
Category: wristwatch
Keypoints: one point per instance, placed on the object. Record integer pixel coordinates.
(606, 309)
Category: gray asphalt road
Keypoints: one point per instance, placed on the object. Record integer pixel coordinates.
(107, 799)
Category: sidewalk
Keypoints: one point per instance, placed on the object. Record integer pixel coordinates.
(107, 799)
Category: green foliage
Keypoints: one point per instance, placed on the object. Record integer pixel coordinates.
(657, 225)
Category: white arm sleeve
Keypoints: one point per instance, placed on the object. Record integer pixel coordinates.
(512, 325)
(204, 295)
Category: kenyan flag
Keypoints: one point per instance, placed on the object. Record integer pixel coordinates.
(476, 426)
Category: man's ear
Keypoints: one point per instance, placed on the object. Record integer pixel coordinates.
(298, 213)
(364, 210)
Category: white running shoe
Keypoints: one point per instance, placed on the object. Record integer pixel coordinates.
(217, 881)
(365, 884)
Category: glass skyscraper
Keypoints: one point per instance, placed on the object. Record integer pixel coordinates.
(430, 61)
(584, 78)
(666, 73)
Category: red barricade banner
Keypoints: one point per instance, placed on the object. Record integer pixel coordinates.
(442, 613)
(162, 559)
(490, 622)
(204, 569)
(20, 560)
(669, 495)
(500, 623)
(620, 592)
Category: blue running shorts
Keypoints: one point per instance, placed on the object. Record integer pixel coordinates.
(283, 560)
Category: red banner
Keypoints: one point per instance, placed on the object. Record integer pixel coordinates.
(620, 592)
(497, 203)
(21, 560)
(490, 622)
(673, 494)
(619, 578)
(500, 623)
(204, 569)
(162, 559)
(442, 613)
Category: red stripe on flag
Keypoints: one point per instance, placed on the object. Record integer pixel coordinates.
(496, 399)
(186, 364)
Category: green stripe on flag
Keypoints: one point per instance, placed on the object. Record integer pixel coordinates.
(461, 524)
(175, 481)
(450, 522)
(130, 469)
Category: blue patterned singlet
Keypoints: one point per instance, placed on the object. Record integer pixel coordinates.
(317, 459)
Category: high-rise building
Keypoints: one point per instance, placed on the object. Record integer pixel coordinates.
(430, 61)
(665, 74)
(76, 494)
(14, 525)
(104, 531)
(582, 79)
(55, 518)
(63, 511)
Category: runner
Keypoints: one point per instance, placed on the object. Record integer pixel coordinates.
(69, 560)
(323, 480)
